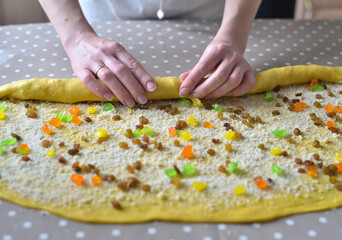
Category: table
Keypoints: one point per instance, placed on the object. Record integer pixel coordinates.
(168, 48)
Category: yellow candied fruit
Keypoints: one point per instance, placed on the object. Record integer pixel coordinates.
(91, 110)
(338, 157)
(230, 135)
(129, 110)
(193, 121)
(101, 133)
(185, 135)
(199, 186)
(239, 190)
(197, 102)
(275, 151)
(2, 114)
(50, 153)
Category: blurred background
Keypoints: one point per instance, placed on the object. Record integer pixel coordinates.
(29, 11)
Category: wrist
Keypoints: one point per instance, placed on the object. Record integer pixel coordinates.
(71, 41)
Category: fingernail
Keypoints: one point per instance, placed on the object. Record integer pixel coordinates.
(151, 86)
(183, 92)
(193, 95)
(130, 103)
(142, 99)
(108, 96)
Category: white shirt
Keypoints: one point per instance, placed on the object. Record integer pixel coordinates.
(104, 10)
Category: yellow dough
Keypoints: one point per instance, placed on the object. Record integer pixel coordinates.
(73, 90)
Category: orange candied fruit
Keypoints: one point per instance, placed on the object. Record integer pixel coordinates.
(96, 180)
(330, 124)
(338, 166)
(24, 146)
(260, 183)
(172, 131)
(207, 125)
(76, 119)
(46, 129)
(74, 110)
(78, 179)
(187, 152)
(299, 106)
(312, 171)
(56, 122)
(314, 82)
(329, 107)
(338, 109)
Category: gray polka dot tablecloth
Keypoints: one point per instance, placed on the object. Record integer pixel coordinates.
(168, 48)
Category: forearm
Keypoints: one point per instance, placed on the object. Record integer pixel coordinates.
(237, 20)
(68, 19)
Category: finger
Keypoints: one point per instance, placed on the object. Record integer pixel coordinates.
(233, 80)
(202, 68)
(89, 80)
(220, 76)
(248, 82)
(137, 70)
(184, 75)
(109, 79)
(123, 74)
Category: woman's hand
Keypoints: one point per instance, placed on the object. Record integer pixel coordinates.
(122, 74)
(231, 75)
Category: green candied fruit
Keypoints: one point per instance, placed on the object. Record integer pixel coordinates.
(8, 142)
(21, 150)
(276, 169)
(60, 115)
(171, 173)
(147, 130)
(280, 133)
(233, 166)
(67, 117)
(137, 132)
(269, 97)
(1, 150)
(2, 105)
(217, 107)
(189, 170)
(185, 102)
(108, 107)
(318, 88)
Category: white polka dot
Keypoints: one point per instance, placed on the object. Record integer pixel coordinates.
(51, 75)
(243, 237)
(312, 233)
(323, 220)
(7, 65)
(222, 227)
(187, 228)
(27, 225)
(20, 60)
(152, 231)
(80, 234)
(278, 235)
(116, 232)
(64, 69)
(62, 223)
(7, 237)
(43, 236)
(40, 70)
(207, 238)
(27, 75)
(3, 76)
(256, 225)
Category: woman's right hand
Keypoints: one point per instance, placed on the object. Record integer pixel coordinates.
(122, 74)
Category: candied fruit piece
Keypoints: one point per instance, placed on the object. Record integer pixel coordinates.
(1, 149)
(78, 179)
(108, 107)
(317, 88)
(137, 132)
(188, 170)
(233, 166)
(220, 115)
(50, 153)
(176, 181)
(101, 133)
(260, 183)
(56, 122)
(76, 120)
(338, 109)
(330, 124)
(185, 135)
(187, 152)
(314, 82)
(2, 114)
(91, 110)
(74, 110)
(21, 150)
(197, 102)
(2, 105)
(59, 116)
(276, 169)
(239, 190)
(199, 186)
(269, 97)
(193, 121)
(280, 133)
(67, 117)
(147, 130)
(230, 135)
(312, 171)
(217, 107)
(338, 157)
(8, 142)
(185, 102)
(329, 107)
(275, 151)
(207, 125)
(96, 180)
(172, 131)
(46, 129)
(171, 173)
(299, 106)
(338, 166)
